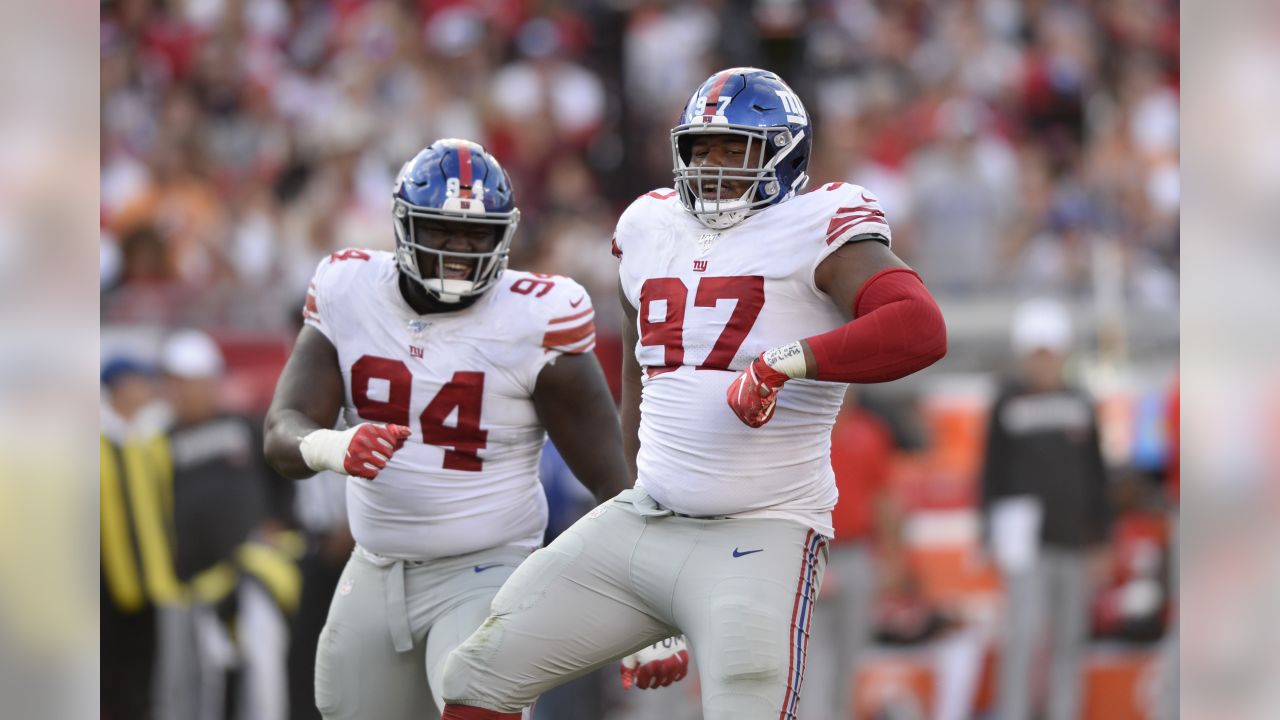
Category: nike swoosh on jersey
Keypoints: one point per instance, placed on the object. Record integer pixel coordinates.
(576, 303)
(490, 566)
(739, 553)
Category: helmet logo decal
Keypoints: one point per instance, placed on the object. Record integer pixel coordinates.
(469, 193)
(712, 103)
(464, 170)
(791, 103)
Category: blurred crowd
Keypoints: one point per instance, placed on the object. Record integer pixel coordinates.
(1015, 145)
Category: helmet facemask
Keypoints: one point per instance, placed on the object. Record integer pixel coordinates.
(439, 271)
(766, 149)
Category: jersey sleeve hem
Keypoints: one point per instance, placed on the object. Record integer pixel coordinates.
(315, 311)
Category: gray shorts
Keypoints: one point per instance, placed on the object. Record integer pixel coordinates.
(631, 573)
(391, 625)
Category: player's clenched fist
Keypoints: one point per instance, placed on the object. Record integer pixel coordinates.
(361, 451)
(658, 665)
(753, 395)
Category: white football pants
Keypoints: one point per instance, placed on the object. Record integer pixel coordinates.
(391, 625)
(631, 573)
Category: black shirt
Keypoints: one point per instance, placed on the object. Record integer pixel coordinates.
(222, 490)
(1045, 445)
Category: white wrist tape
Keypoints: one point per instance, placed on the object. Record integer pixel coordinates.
(787, 359)
(327, 449)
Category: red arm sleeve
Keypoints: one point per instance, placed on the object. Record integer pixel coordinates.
(897, 329)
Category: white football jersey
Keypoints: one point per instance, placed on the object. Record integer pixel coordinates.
(467, 478)
(708, 302)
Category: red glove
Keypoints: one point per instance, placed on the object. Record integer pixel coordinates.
(371, 448)
(361, 451)
(753, 395)
(656, 666)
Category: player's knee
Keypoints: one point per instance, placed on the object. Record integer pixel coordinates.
(470, 661)
(333, 667)
(473, 673)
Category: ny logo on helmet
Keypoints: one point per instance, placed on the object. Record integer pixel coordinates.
(791, 103)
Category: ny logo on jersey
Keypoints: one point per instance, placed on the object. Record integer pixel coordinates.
(699, 265)
(415, 351)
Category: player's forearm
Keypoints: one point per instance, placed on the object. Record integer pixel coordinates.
(603, 479)
(593, 453)
(285, 429)
(897, 330)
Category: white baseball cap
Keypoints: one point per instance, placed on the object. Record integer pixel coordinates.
(1041, 324)
(191, 354)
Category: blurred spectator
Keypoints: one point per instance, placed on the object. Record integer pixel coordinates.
(135, 574)
(223, 655)
(131, 405)
(1047, 513)
(961, 185)
(321, 508)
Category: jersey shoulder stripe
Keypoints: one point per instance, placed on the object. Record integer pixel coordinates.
(571, 336)
(558, 308)
(851, 211)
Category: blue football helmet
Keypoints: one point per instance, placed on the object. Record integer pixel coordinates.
(454, 181)
(758, 106)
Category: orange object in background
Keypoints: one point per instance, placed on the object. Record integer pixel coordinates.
(952, 574)
(889, 687)
(956, 425)
(1115, 687)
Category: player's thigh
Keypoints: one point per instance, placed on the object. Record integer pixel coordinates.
(748, 614)
(359, 674)
(565, 611)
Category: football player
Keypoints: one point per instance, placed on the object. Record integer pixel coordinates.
(750, 305)
(449, 371)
